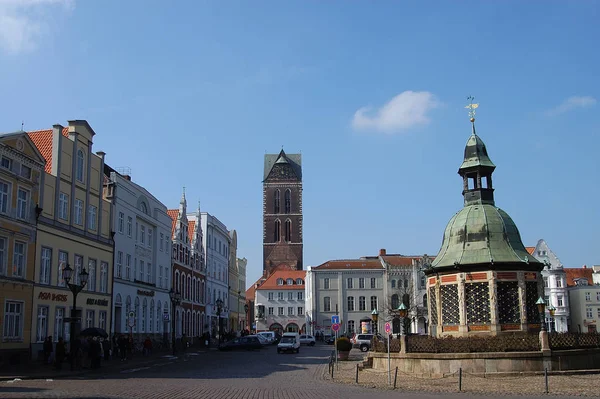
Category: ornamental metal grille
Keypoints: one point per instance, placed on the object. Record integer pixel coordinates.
(449, 300)
(433, 304)
(477, 298)
(531, 297)
(508, 302)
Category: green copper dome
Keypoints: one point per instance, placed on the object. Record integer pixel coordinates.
(481, 235)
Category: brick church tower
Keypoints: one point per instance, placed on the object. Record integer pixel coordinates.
(282, 212)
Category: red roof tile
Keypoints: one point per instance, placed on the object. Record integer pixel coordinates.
(573, 274)
(43, 141)
(271, 282)
(531, 250)
(351, 264)
(173, 214)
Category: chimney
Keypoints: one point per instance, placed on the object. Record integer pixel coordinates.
(128, 177)
(382, 252)
(585, 266)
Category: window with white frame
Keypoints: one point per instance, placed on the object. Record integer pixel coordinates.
(102, 319)
(589, 313)
(300, 295)
(271, 311)
(350, 283)
(103, 277)
(160, 272)
(558, 282)
(92, 212)
(149, 273)
(78, 269)
(129, 226)
(78, 212)
(59, 327)
(326, 304)
(6, 163)
(19, 251)
(162, 238)
(166, 277)
(350, 304)
(361, 282)
(326, 283)
(588, 297)
(300, 310)
(120, 264)
(63, 259)
(280, 296)
(89, 318)
(374, 283)
(91, 284)
(290, 296)
(141, 270)
(79, 166)
(3, 255)
(271, 296)
(45, 265)
(150, 237)
(63, 206)
(121, 222)
(143, 234)
(290, 310)
(42, 324)
(13, 321)
(559, 301)
(4, 195)
(362, 303)
(128, 267)
(373, 302)
(351, 326)
(280, 311)
(22, 203)
(598, 296)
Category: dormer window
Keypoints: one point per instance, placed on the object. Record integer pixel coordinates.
(279, 281)
(79, 166)
(299, 281)
(290, 281)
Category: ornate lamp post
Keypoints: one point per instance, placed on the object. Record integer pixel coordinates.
(175, 297)
(402, 311)
(374, 317)
(541, 305)
(219, 308)
(551, 310)
(75, 289)
(246, 318)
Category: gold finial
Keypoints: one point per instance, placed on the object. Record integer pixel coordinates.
(471, 107)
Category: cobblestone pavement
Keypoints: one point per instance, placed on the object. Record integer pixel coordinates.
(238, 375)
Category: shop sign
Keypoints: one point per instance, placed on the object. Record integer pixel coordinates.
(99, 302)
(49, 296)
(145, 293)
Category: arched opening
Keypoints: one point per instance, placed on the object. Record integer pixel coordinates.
(288, 201)
(276, 327)
(277, 231)
(288, 230)
(276, 201)
(292, 327)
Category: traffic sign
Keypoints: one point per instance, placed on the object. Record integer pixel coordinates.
(388, 328)
(335, 327)
(335, 319)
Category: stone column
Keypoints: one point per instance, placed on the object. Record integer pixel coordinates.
(463, 329)
(493, 287)
(522, 300)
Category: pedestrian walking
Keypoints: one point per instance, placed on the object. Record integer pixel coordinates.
(60, 354)
(47, 348)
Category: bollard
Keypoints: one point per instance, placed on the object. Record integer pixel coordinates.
(395, 377)
(332, 367)
(357, 373)
(546, 378)
(460, 379)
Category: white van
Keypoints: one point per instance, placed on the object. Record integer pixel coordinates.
(268, 335)
(289, 342)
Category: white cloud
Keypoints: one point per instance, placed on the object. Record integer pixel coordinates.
(572, 103)
(22, 23)
(407, 109)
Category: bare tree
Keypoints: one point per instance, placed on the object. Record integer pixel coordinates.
(404, 292)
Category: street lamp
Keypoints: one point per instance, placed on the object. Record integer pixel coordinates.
(246, 318)
(551, 310)
(75, 289)
(541, 305)
(374, 315)
(219, 308)
(402, 310)
(238, 310)
(175, 297)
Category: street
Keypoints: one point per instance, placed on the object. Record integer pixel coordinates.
(213, 374)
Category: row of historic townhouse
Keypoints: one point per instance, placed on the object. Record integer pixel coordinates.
(62, 206)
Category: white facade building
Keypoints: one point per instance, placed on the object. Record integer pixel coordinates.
(555, 287)
(280, 302)
(217, 246)
(352, 289)
(142, 259)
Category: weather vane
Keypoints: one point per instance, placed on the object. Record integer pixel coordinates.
(471, 107)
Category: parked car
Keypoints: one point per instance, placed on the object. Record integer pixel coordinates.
(329, 339)
(270, 336)
(306, 339)
(289, 342)
(262, 339)
(249, 342)
(363, 341)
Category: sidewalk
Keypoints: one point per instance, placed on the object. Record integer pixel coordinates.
(37, 370)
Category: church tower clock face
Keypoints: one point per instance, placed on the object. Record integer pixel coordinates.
(282, 212)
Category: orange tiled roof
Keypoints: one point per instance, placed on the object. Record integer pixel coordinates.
(573, 273)
(191, 224)
(271, 282)
(531, 250)
(173, 214)
(43, 141)
(402, 260)
(351, 264)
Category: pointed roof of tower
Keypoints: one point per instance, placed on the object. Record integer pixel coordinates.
(476, 153)
(294, 160)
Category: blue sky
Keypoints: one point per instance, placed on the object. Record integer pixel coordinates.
(193, 93)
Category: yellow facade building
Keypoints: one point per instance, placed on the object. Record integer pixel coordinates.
(21, 177)
(74, 228)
